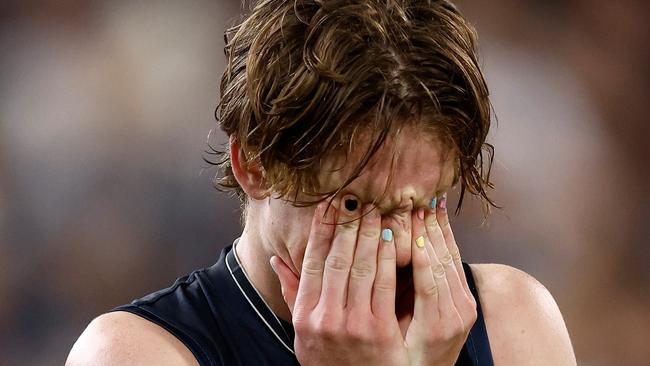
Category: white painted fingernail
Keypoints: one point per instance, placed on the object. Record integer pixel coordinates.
(387, 235)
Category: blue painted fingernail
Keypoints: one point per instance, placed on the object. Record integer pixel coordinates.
(433, 203)
(387, 235)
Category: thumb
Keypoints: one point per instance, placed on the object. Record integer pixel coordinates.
(288, 281)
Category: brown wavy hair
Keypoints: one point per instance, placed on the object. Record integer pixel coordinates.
(303, 77)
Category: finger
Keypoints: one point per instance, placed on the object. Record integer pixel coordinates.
(339, 259)
(450, 241)
(461, 303)
(463, 298)
(425, 285)
(440, 274)
(288, 281)
(437, 239)
(318, 245)
(384, 287)
(400, 224)
(364, 264)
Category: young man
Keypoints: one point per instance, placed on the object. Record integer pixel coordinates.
(349, 121)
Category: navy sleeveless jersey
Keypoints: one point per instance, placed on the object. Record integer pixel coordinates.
(221, 318)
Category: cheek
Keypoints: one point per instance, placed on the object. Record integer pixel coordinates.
(296, 225)
(295, 230)
(288, 224)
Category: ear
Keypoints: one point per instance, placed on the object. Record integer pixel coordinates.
(249, 174)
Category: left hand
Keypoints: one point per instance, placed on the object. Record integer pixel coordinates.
(444, 309)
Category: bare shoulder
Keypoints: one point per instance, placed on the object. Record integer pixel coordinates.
(524, 323)
(121, 338)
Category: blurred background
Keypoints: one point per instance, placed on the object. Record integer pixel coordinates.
(105, 109)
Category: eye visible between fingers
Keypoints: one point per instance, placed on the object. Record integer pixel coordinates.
(350, 203)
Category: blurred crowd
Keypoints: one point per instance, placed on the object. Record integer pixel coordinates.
(105, 111)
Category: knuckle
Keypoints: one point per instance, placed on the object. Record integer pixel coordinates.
(347, 226)
(448, 335)
(337, 263)
(470, 311)
(432, 225)
(356, 331)
(444, 223)
(326, 326)
(447, 259)
(369, 234)
(438, 269)
(301, 327)
(328, 331)
(312, 266)
(362, 269)
(384, 286)
(472, 302)
(458, 329)
(322, 232)
(452, 331)
(455, 252)
(430, 290)
(471, 318)
(383, 336)
(434, 338)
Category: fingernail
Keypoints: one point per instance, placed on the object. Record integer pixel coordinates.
(433, 203)
(387, 235)
(421, 214)
(420, 241)
(443, 202)
(273, 265)
(350, 203)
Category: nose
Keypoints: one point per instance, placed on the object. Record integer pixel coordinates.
(396, 215)
(400, 223)
(400, 200)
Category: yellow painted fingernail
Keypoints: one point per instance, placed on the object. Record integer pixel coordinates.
(420, 241)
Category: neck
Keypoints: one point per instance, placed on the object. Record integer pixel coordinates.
(254, 255)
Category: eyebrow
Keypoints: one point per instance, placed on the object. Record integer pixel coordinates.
(391, 207)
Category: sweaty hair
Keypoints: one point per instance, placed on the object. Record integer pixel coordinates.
(303, 77)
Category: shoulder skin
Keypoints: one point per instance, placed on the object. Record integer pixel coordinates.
(121, 338)
(524, 323)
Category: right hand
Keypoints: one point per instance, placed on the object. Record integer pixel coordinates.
(343, 304)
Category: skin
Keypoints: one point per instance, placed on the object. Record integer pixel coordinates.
(356, 298)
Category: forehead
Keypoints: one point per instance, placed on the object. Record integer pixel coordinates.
(406, 172)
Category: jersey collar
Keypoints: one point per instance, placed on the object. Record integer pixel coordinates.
(255, 300)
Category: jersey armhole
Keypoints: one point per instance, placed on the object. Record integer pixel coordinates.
(188, 341)
(478, 337)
